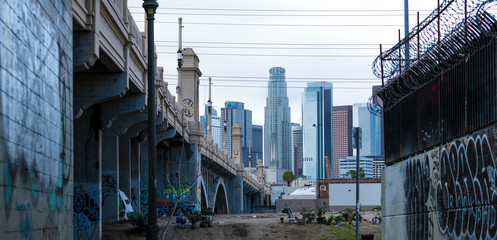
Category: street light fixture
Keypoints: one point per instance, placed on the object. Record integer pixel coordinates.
(209, 106)
(180, 58)
(152, 229)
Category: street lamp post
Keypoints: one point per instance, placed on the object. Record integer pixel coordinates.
(152, 229)
(317, 125)
(357, 138)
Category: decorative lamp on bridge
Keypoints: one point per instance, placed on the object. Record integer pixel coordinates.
(209, 106)
(180, 58)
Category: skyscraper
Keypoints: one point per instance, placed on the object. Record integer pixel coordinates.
(277, 132)
(217, 129)
(317, 129)
(342, 136)
(378, 136)
(297, 150)
(235, 113)
(256, 144)
(371, 126)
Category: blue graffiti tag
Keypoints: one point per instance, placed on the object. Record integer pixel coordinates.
(86, 212)
(25, 220)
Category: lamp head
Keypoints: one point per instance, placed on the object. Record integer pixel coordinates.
(150, 6)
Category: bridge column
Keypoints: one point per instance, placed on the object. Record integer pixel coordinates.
(110, 176)
(125, 166)
(237, 202)
(185, 170)
(135, 175)
(163, 159)
(87, 178)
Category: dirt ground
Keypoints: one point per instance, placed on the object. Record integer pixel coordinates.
(248, 226)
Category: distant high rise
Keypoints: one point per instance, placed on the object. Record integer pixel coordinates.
(378, 165)
(217, 129)
(297, 150)
(237, 114)
(256, 144)
(317, 128)
(342, 136)
(371, 126)
(378, 134)
(277, 132)
(349, 163)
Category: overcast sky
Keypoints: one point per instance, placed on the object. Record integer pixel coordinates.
(314, 40)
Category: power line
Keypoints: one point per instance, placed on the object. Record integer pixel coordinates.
(289, 81)
(266, 77)
(287, 48)
(274, 15)
(277, 55)
(292, 10)
(279, 25)
(267, 43)
(248, 86)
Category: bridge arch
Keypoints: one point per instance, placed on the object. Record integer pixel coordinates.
(221, 199)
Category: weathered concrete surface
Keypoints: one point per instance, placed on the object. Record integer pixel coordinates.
(445, 193)
(36, 119)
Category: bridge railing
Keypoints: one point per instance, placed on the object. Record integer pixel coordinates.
(212, 151)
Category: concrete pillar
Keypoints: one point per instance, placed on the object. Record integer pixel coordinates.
(161, 181)
(135, 174)
(125, 166)
(236, 201)
(144, 175)
(188, 167)
(110, 176)
(87, 176)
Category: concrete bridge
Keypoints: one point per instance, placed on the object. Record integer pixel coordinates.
(110, 130)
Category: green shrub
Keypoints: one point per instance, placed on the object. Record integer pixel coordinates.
(139, 220)
(195, 217)
(377, 208)
(207, 211)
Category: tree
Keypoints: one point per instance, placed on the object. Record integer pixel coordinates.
(289, 177)
(352, 173)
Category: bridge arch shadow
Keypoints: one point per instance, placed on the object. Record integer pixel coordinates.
(204, 202)
(221, 199)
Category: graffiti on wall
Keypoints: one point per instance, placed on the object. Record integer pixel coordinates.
(25, 220)
(417, 189)
(35, 114)
(451, 190)
(466, 191)
(109, 186)
(185, 204)
(86, 212)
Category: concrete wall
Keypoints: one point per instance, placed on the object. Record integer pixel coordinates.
(343, 195)
(36, 149)
(445, 193)
(297, 204)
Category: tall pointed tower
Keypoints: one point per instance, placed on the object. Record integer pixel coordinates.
(277, 125)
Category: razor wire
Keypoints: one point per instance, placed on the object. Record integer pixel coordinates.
(449, 35)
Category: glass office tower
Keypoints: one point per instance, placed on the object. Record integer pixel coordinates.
(317, 129)
(235, 113)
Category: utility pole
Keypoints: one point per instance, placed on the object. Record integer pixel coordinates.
(225, 124)
(250, 157)
(152, 229)
(357, 138)
(179, 91)
(406, 31)
(318, 154)
(209, 109)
